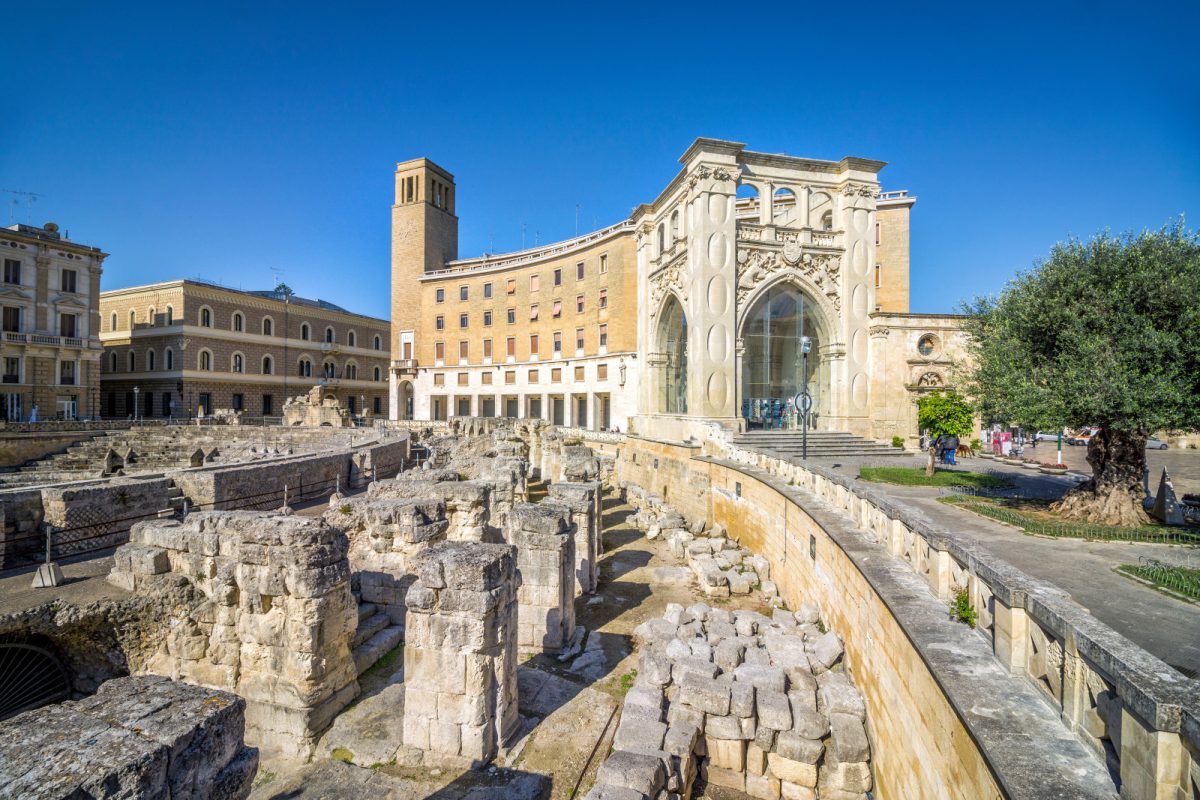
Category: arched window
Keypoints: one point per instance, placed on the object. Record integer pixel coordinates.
(239, 322)
(662, 237)
(672, 341)
(151, 313)
(268, 326)
(329, 370)
(304, 368)
(170, 358)
(377, 373)
(827, 221)
(132, 318)
(206, 317)
(112, 360)
(329, 335)
(238, 363)
(377, 343)
(351, 339)
(113, 325)
(170, 315)
(266, 365)
(352, 371)
(304, 331)
(205, 360)
(775, 367)
(784, 204)
(150, 360)
(132, 362)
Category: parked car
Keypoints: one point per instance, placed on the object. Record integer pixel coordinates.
(1155, 444)
(1083, 437)
(1042, 436)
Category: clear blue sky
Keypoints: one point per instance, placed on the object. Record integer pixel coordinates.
(227, 139)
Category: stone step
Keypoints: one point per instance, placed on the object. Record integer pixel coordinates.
(370, 651)
(369, 627)
(365, 611)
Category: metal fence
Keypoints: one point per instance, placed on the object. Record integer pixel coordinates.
(1184, 580)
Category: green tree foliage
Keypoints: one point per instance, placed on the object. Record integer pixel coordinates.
(945, 414)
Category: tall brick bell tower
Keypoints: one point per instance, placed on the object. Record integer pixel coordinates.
(424, 238)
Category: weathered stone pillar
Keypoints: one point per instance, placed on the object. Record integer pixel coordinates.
(580, 499)
(460, 656)
(1151, 760)
(1011, 635)
(545, 541)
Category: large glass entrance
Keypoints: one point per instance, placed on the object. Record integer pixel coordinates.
(774, 368)
(672, 344)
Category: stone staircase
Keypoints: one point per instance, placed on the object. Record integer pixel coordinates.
(821, 444)
(376, 635)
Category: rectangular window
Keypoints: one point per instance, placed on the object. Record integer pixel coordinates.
(268, 405)
(876, 233)
(511, 286)
(533, 282)
(556, 375)
(12, 270)
(66, 373)
(439, 379)
(533, 312)
(579, 373)
(604, 298)
(512, 316)
(67, 325)
(558, 277)
(603, 263)
(487, 319)
(12, 370)
(578, 304)
(558, 342)
(510, 346)
(464, 293)
(487, 291)
(439, 322)
(532, 376)
(487, 378)
(602, 372)
(604, 335)
(510, 376)
(68, 280)
(463, 319)
(439, 296)
(878, 276)
(463, 350)
(487, 348)
(579, 338)
(557, 309)
(533, 344)
(439, 350)
(238, 401)
(579, 271)
(12, 319)
(462, 378)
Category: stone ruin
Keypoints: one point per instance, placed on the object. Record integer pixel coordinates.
(273, 621)
(544, 537)
(317, 408)
(143, 736)
(752, 703)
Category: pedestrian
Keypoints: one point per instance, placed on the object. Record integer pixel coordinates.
(939, 446)
(951, 445)
(33, 413)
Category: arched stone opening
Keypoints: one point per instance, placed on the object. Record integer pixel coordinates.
(404, 408)
(773, 366)
(670, 358)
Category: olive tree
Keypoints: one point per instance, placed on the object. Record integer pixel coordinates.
(1104, 332)
(945, 414)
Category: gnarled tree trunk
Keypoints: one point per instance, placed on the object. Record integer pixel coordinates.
(1114, 494)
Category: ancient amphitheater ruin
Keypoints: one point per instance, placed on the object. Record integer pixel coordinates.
(497, 608)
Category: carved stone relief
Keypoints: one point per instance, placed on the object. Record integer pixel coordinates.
(670, 277)
(756, 266)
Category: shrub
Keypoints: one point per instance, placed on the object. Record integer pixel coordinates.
(897, 441)
(976, 444)
(962, 610)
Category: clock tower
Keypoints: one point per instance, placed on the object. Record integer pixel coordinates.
(424, 238)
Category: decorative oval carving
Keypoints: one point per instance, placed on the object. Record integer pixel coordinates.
(718, 294)
(858, 391)
(859, 260)
(858, 346)
(717, 390)
(858, 299)
(861, 218)
(718, 208)
(718, 343)
(718, 250)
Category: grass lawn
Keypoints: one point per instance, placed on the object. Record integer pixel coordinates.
(1181, 580)
(1034, 516)
(915, 476)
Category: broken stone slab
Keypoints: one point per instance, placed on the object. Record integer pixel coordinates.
(637, 771)
(827, 649)
(848, 739)
(367, 734)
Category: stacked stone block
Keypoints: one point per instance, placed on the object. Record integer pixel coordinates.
(143, 736)
(460, 664)
(545, 540)
(752, 703)
(468, 503)
(582, 499)
(274, 620)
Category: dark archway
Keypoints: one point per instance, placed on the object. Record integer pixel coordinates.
(672, 354)
(774, 369)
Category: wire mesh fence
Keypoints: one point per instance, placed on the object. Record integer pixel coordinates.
(992, 507)
(1177, 578)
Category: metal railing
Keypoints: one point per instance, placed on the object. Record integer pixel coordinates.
(1073, 530)
(1184, 580)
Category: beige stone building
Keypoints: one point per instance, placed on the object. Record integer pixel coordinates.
(691, 310)
(50, 293)
(186, 347)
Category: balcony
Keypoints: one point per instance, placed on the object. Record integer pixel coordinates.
(13, 337)
(47, 340)
(11, 379)
(330, 347)
(404, 365)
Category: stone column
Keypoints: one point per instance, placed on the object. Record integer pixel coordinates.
(804, 200)
(545, 542)
(460, 655)
(766, 203)
(580, 500)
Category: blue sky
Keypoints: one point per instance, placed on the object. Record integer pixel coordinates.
(228, 140)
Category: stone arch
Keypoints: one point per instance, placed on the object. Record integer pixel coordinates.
(237, 322)
(237, 362)
(404, 397)
(669, 357)
(268, 325)
(785, 205)
(828, 313)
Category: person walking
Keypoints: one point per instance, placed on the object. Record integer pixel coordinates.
(951, 445)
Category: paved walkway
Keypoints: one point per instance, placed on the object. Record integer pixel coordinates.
(1167, 627)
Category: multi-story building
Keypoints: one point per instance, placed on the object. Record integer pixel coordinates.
(752, 280)
(50, 295)
(183, 347)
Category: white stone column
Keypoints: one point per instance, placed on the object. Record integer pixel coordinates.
(804, 200)
(568, 409)
(766, 203)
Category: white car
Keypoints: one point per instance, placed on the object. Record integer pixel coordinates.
(1042, 436)
(1155, 444)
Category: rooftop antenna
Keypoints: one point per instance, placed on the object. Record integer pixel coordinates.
(18, 197)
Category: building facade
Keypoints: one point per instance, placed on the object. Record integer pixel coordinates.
(752, 280)
(182, 348)
(51, 345)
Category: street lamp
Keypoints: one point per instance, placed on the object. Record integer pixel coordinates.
(135, 403)
(805, 398)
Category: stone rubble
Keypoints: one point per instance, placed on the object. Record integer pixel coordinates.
(753, 703)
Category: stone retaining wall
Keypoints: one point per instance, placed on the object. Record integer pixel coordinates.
(259, 485)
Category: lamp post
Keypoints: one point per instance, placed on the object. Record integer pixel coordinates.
(806, 400)
(136, 390)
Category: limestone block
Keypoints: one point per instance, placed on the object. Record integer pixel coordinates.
(741, 700)
(838, 696)
(827, 649)
(766, 787)
(794, 791)
(708, 694)
(797, 772)
(727, 754)
(762, 677)
(637, 771)
(729, 727)
(773, 709)
(848, 742)
(680, 738)
(852, 777)
(728, 778)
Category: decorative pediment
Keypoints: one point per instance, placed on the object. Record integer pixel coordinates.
(13, 293)
(70, 301)
(821, 270)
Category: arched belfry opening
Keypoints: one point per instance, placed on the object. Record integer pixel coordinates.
(671, 358)
(774, 367)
